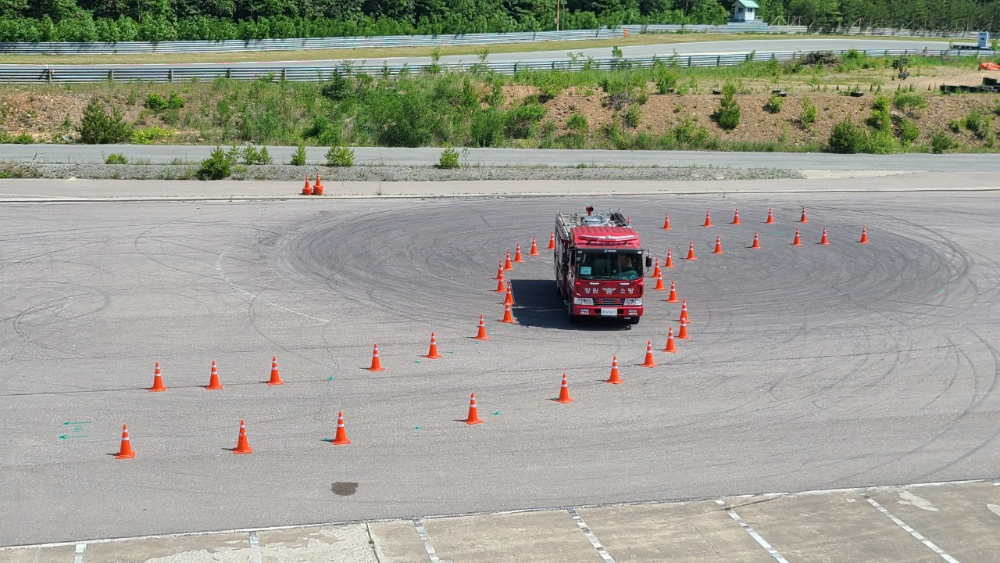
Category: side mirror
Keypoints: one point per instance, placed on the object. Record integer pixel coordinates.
(649, 261)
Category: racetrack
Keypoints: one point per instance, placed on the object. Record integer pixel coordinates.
(809, 367)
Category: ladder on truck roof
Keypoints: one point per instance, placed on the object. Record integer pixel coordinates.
(566, 221)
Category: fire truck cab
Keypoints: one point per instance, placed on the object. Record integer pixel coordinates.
(599, 263)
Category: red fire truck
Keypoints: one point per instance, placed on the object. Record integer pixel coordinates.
(599, 265)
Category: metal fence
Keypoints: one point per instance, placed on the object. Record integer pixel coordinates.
(141, 47)
(83, 74)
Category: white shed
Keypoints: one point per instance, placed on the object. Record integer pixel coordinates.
(745, 11)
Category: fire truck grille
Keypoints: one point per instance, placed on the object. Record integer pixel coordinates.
(610, 301)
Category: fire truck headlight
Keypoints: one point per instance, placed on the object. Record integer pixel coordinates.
(583, 301)
(633, 302)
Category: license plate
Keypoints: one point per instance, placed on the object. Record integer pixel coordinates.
(606, 312)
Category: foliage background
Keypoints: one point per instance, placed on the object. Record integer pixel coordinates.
(161, 20)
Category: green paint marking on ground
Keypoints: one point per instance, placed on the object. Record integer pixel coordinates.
(449, 352)
(416, 361)
(67, 423)
(496, 413)
(68, 436)
(416, 428)
(330, 378)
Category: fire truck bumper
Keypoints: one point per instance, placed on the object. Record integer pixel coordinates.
(607, 312)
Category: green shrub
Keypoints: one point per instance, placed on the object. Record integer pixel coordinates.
(156, 102)
(908, 132)
(774, 103)
(847, 138)
(116, 158)
(23, 139)
(578, 123)
(487, 128)
(449, 158)
(522, 121)
(728, 114)
(880, 103)
(264, 157)
(217, 166)
(150, 135)
(940, 142)
(666, 83)
(99, 128)
(340, 156)
(880, 142)
(809, 113)
(980, 125)
(632, 116)
(299, 156)
(906, 101)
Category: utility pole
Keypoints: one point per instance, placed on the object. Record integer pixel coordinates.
(557, 14)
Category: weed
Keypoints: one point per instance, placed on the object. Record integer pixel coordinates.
(150, 135)
(116, 158)
(774, 103)
(299, 156)
(809, 113)
(449, 159)
(23, 139)
(340, 156)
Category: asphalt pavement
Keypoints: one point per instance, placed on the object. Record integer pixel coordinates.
(809, 367)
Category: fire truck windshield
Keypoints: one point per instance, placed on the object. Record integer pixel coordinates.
(608, 264)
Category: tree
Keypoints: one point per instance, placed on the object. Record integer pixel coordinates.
(99, 128)
(817, 13)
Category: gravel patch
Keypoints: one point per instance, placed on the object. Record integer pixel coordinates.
(397, 173)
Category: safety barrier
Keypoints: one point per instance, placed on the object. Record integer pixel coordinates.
(23, 74)
(295, 44)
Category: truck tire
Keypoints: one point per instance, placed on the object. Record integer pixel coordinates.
(634, 320)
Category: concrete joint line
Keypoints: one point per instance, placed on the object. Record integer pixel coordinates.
(930, 545)
(590, 535)
(422, 532)
(80, 548)
(255, 547)
(753, 534)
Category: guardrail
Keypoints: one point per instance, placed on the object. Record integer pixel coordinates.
(21, 74)
(140, 47)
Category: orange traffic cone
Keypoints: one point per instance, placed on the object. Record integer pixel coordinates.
(614, 378)
(242, 444)
(659, 283)
(666, 222)
(656, 269)
(648, 362)
(824, 239)
(510, 294)
(376, 362)
(864, 235)
(517, 255)
(473, 412)
(564, 392)
(672, 298)
(275, 376)
(500, 275)
(318, 186)
(552, 240)
(433, 352)
(158, 386)
(501, 288)
(534, 247)
(126, 449)
(798, 239)
(307, 189)
(804, 219)
(670, 260)
(481, 335)
(670, 347)
(708, 218)
(736, 217)
(507, 316)
(684, 312)
(507, 264)
(756, 241)
(340, 439)
(683, 332)
(770, 217)
(213, 380)
(691, 255)
(718, 246)
(508, 298)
